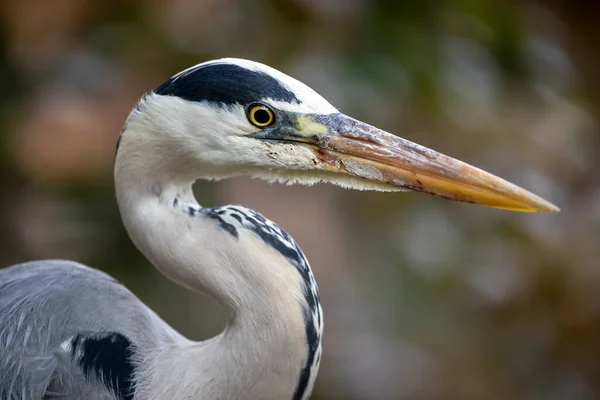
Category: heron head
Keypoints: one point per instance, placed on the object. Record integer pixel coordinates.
(229, 117)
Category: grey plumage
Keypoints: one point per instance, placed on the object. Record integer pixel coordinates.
(44, 307)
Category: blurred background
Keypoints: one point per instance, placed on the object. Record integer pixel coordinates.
(424, 299)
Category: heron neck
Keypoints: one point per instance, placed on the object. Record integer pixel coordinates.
(266, 340)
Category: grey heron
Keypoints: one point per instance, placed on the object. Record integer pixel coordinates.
(68, 331)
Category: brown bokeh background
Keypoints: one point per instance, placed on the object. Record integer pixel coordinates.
(423, 298)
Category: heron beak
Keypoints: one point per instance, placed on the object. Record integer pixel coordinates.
(346, 145)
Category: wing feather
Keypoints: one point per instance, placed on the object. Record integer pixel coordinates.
(49, 307)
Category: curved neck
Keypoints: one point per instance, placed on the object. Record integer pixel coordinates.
(268, 347)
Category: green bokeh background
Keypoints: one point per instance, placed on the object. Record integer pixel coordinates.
(423, 298)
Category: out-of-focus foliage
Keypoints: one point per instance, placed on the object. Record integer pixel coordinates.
(424, 299)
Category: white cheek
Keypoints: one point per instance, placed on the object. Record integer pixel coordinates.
(232, 121)
(291, 156)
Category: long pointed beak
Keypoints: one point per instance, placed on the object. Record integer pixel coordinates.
(355, 148)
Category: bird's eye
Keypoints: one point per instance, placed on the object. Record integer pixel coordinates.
(260, 115)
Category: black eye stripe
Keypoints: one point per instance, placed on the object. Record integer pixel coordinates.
(226, 84)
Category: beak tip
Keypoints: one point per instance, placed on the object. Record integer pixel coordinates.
(550, 208)
(541, 205)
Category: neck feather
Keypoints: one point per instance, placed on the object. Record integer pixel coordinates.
(271, 345)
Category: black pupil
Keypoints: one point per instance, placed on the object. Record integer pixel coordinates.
(262, 116)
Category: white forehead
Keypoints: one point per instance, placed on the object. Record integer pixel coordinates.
(310, 101)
